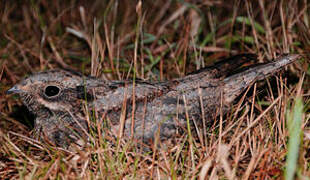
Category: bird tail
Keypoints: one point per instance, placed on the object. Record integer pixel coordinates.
(234, 85)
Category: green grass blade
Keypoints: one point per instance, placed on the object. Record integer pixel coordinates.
(294, 123)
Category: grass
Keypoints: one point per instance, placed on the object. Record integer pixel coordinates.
(160, 40)
(295, 120)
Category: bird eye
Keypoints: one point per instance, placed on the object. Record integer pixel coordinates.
(51, 91)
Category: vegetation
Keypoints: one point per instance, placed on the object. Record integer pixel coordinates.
(266, 136)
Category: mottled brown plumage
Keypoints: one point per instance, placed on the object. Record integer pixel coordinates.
(61, 99)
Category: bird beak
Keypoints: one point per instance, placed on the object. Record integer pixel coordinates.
(14, 90)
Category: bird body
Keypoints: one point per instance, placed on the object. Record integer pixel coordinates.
(62, 100)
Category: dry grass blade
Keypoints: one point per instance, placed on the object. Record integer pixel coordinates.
(256, 120)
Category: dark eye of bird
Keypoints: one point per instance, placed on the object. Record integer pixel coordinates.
(51, 91)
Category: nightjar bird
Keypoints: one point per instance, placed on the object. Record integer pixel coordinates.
(62, 100)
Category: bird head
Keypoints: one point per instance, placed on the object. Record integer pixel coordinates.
(56, 98)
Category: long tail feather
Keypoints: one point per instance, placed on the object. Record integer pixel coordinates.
(235, 84)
